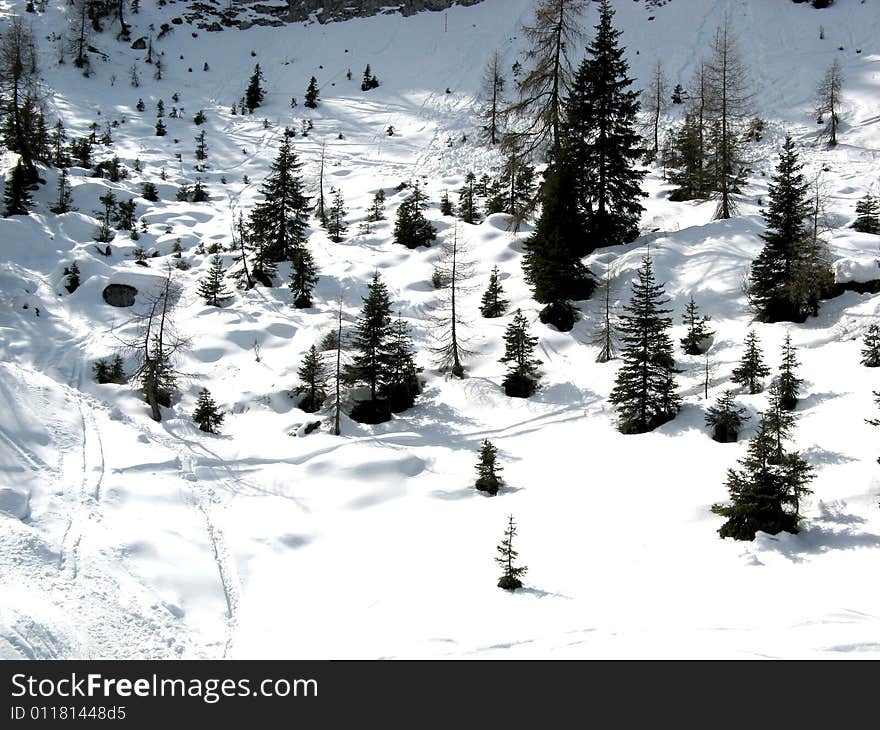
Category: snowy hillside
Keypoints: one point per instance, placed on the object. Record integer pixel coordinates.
(121, 537)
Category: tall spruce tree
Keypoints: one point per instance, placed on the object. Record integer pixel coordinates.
(552, 262)
(601, 138)
(488, 479)
(213, 288)
(313, 375)
(774, 271)
(871, 348)
(511, 577)
(788, 382)
(254, 95)
(401, 379)
(522, 376)
(312, 94)
(16, 196)
(372, 341)
(468, 209)
(493, 304)
(644, 392)
(751, 370)
(765, 495)
(698, 332)
(303, 276)
(280, 220)
(336, 225)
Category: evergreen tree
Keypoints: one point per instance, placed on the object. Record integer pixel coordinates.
(601, 116)
(446, 204)
(150, 192)
(493, 304)
(412, 229)
(467, 201)
(687, 163)
(336, 225)
(212, 288)
(17, 196)
(303, 277)
(280, 220)
(695, 342)
(644, 392)
(372, 340)
(108, 202)
(871, 350)
(726, 418)
(751, 370)
(765, 494)
(312, 94)
(515, 193)
(868, 215)
(73, 278)
(63, 204)
(487, 470)
(160, 128)
(58, 145)
(201, 150)
(510, 579)
(522, 375)
(552, 264)
(376, 212)
(199, 193)
(401, 379)
(207, 414)
(369, 81)
(313, 374)
(774, 271)
(254, 95)
(788, 383)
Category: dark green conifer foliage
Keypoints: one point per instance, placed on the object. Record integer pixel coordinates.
(412, 229)
(149, 192)
(212, 288)
(765, 495)
(109, 372)
(303, 276)
(726, 418)
(313, 374)
(522, 376)
(105, 215)
(372, 341)
(312, 94)
(868, 215)
(446, 205)
(551, 264)
(601, 137)
(376, 212)
(751, 370)
(695, 342)
(17, 197)
(160, 128)
(207, 414)
(467, 200)
(336, 226)
(645, 392)
(488, 479)
(788, 382)
(511, 577)
(280, 220)
(687, 164)
(254, 94)
(775, 271)
(493, 304)
(871, 349)
(73, 278)
(64, 203)
(401, 379)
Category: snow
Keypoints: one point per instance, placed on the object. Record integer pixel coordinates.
(121, 537)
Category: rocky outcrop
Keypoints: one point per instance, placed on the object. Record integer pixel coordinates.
(327, 11)
(119, 295)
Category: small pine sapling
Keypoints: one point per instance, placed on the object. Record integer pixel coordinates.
(511, 577)
(487, 469)
(207, 415)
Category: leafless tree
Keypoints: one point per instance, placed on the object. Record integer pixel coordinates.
(555, 36)
(80, 32)
(728, 80)
(455, 269)
(655, 102)
(829, 94)
(492, 99)
(157, 345)
(605, 335)
(337, 404)
(700, 103)
(239, 243)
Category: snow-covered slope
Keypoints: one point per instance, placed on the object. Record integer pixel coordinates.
(121, 537)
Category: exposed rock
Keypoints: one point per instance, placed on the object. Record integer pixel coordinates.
(140, 44)
(119, 295)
